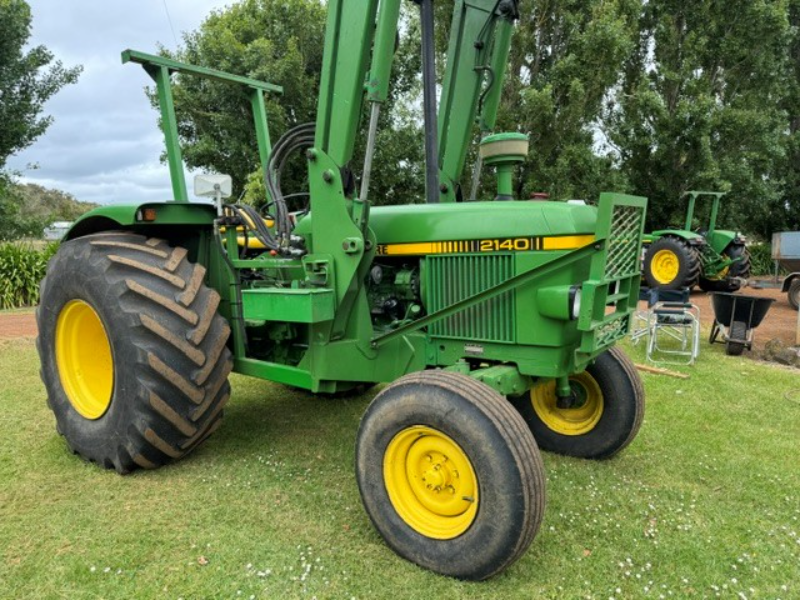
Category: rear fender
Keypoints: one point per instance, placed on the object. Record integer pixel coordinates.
(143, 217)
(719, 240)
(689, 236)
(788, 281)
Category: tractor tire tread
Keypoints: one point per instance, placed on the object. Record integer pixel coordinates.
(504, 419)
(176, 349)
(690, 275)
(622, 419)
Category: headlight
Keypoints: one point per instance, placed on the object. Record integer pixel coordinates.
(574, 302)
(560, 302)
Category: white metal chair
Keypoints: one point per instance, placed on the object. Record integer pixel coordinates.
(671, 326)
(674, 333)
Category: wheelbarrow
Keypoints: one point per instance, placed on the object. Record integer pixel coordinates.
(735, 317)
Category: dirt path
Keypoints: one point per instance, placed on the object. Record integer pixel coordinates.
(780, 322)
(17, 325)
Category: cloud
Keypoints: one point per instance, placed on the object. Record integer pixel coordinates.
(104, 145)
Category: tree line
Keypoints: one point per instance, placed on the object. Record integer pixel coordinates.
(654, 98)
(29, 76)
(651, 97)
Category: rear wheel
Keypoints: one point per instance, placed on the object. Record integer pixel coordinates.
(132, 350)
(607, 415)
(671, 264)
(449, 474)
(794, 294)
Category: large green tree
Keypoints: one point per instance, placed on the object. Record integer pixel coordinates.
(29, 76)
(565, 57)
(699, 107)
(786, 215)
(279, 41)
(654, 98)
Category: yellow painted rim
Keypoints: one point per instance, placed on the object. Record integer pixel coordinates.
(84, 361)
(721, 275)
(665, 266)
(569, 421)
(430, 482)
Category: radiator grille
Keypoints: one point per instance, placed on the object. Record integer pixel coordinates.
(623, 242)
(453, 278)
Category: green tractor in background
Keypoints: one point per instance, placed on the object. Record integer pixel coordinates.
(715, 259)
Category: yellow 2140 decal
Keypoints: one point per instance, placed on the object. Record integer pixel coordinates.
(520, 244)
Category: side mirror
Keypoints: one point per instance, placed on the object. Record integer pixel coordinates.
(213, 186)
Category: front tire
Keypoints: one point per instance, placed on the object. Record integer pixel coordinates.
(449, 474)
(738, 332)
(608, 419)
(729, 279)
(133, 352)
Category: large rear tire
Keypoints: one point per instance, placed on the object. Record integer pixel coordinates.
(133, 352)
(449, 474)
(671, 264)
(607, 419)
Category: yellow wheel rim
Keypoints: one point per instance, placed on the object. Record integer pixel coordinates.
(430, 482)
(570, 421)
(721, 275)
(665, 266)
(83, 358)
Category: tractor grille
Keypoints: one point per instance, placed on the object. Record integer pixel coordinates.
(610, 332)
(623, 242)
(453, 278)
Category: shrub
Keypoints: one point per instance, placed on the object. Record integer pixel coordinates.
(761, 262)
(22, 267)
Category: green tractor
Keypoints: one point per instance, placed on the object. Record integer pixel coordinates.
(715, 259)
(493, 322)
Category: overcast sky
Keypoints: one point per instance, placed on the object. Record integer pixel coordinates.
(104, 144)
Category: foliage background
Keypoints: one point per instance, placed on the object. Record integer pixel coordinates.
(649, 97)
(29, 76)
(653, 98)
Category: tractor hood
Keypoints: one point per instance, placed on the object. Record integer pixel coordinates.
(480, 220)
(475, 221)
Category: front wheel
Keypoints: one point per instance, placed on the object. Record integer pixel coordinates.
(606, 418)
(729, 279)
(737, 335)
(449, 474)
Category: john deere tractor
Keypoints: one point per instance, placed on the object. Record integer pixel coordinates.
(715, 259)
(492, 322)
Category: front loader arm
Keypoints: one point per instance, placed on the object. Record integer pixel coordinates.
(477, 59)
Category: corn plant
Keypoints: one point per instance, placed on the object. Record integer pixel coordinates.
(22, 267)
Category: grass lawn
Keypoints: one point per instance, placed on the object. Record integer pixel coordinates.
(705, 503)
